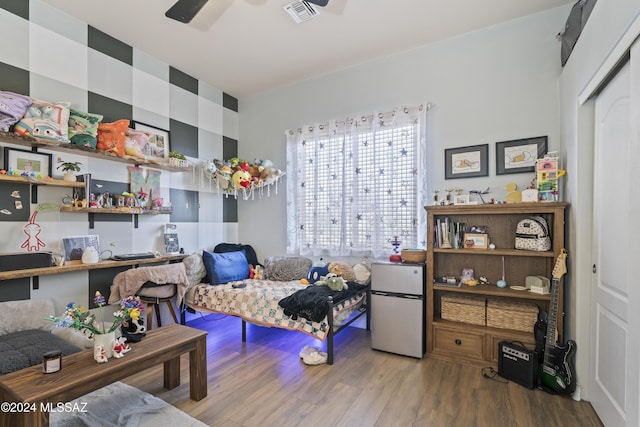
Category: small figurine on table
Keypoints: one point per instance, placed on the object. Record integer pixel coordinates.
(99, 355)
(120, 347)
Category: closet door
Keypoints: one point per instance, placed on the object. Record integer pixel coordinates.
(614, 372)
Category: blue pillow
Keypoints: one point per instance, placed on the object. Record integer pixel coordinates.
(225, 267)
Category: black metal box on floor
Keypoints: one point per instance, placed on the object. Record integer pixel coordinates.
(24, 261)
(518, 364)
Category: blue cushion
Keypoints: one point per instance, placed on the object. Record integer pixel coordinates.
(225, 267)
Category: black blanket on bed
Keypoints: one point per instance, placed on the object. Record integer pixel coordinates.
(312, 301)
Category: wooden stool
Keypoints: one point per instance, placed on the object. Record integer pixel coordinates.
(153, 303)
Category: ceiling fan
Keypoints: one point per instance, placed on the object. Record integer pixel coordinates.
(185, 10)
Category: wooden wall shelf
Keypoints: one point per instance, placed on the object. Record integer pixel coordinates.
(121, 211)
(75, 266)
(28, 141)
(41, 181)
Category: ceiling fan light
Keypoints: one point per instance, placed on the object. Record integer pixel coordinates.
(184, 10)
(321, 3)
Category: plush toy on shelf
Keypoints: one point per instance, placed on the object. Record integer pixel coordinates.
(236, 175)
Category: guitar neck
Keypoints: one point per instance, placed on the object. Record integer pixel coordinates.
(552, 320)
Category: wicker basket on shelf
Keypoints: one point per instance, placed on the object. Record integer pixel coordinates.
(463, 308)
(516, 315)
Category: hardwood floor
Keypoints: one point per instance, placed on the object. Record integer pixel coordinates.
(263, 382)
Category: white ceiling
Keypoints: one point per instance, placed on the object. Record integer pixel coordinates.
(248, 46)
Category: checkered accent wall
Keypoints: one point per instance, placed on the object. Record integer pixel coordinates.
(50, 55)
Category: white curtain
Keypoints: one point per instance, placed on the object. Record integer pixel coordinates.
(354, 185)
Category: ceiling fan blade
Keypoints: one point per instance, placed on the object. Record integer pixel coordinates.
(185, 10)
(321, 3)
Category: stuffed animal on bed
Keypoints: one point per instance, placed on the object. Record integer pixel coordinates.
(256, 272)
(342, 269)
(362, 271)
(333, 282)
(317, 270)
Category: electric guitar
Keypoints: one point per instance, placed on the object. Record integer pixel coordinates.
(558, 367)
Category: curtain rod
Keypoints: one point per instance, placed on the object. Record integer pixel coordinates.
(420, 107)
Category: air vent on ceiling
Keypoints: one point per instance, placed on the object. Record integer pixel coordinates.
(301, 11)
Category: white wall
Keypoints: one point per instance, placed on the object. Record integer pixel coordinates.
(609, 21)
(499, 83)
(496, 84)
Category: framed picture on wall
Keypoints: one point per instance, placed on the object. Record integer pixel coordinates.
(520, 155)
(466, 162)
(27, 162)
(158, 147)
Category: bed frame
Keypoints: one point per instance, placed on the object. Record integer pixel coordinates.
(363, 310)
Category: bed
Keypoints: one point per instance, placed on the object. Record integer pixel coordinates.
(288, 304)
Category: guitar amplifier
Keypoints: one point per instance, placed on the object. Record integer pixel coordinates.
(518, 364)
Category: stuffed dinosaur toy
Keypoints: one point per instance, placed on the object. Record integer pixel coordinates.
(332, 281)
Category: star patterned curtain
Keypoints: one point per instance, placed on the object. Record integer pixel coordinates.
(358, 184)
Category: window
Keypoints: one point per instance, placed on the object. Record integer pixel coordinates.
(357, 185)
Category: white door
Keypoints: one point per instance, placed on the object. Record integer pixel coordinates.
(614, 372)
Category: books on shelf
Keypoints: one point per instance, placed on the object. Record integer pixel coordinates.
(449, 234)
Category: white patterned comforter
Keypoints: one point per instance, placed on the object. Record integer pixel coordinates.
(257, 303)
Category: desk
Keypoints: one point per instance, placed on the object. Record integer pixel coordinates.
(67, 268)
(81, 374)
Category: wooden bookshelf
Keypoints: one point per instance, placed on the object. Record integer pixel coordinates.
(477, 344)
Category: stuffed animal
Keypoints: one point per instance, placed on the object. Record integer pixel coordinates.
(241, 179)
(256, 272)
(136, 142)
(317, 270)
(333, 282)
(342, 269)
(467, 277)
(362, 271)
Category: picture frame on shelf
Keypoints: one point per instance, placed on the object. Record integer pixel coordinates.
(159, 145)
(466, 162)
(476, 241)
(27, 162)
(461, 199)
(171, 243)
(519, 155)
(75, 246)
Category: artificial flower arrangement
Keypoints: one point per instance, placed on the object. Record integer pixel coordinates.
(79, 318)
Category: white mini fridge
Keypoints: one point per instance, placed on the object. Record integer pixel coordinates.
(398, 308)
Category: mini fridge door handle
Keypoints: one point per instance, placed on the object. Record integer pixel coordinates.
(395, 295)
(384, 294)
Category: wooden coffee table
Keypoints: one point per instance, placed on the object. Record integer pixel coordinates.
(31, 390)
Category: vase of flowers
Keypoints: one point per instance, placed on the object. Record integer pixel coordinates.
(79, 318)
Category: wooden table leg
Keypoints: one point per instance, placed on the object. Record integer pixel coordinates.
(29, 416)
(172, 373)
(198, 370)
(26, 419)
